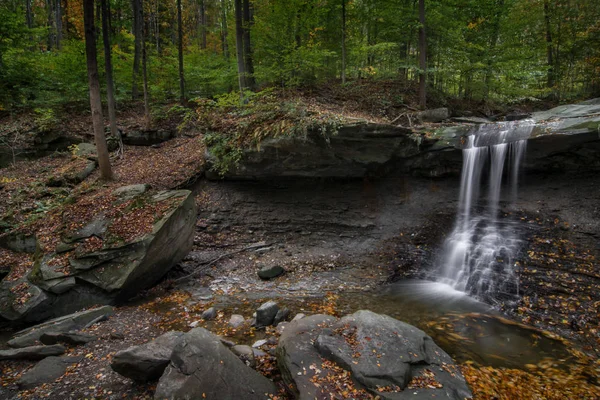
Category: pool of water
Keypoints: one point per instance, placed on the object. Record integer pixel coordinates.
(465, 328)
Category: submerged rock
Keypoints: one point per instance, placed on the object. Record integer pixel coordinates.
(378, 350)
(202, 367)
(148, 361)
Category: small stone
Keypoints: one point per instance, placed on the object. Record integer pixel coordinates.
(298, 316)
(267, 273)
(194, 324)
(246, 354)
(259, 343)
(281, 316)
(209, 314)
(266, 314)
(117, 336)
(236, 320)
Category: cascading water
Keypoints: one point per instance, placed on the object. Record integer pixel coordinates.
(479, 254)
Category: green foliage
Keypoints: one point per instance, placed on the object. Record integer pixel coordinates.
(45, 119)
(226, 153)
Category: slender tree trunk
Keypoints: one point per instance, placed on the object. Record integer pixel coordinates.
(343, 42)
(202, 25)
(59, 33)
(94, 84)
(157, 27)
(422, 56)
(247, 23)
(549, 52)
(180, 53)
(51, 28)
(110, 85)
(137, 32)
(144, 65)
(239, 45)
(492, 47)
(224, 30)
(28, 14)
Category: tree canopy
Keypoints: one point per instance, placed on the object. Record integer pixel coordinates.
(476, 49)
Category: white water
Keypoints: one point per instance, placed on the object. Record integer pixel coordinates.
(478, 256)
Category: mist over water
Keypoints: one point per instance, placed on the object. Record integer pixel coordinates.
(478, 256)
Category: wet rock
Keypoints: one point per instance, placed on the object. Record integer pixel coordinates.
(246, 354)
(270, 272)
(266, 313)
(32, 352)
(67, 323)
(202, 367)
(296, 353)
(236, 320)
(148, 361)
(434, 115)
(281, 315)
(46, 371)
(517, 116)
(74, 338)
(209, 314)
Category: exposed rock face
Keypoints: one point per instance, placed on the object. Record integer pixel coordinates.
(74, 276)
(378, 350)
(565, 137)
(146, 362)
(434, 115)
(266, 313)
(64, 324)
(146, 137)
(46, 371)
(355, 151)
(32, 352)
(202, 367)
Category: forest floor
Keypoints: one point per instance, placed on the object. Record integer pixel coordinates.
(332, 238)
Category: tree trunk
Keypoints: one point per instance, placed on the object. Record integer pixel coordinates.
(343, 42)
(247, 23)
(239, 46)
(58, 24)
(180, 53)
(144, 66)
(110, 85)
(224, 30)
(492, 48)
(94, 84)
(51, 20)
(549, 52)
(28, 14)
(202, 25)
(137, 32)
(422, 56)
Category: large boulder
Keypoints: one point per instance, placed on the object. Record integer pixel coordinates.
(148, 361)
(147, 137)
(109, 259)
(386, 357)
(32, 352)
(64, 324)
(46, 371)
(202, 367)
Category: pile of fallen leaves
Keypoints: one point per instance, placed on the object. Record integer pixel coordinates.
(541, 383)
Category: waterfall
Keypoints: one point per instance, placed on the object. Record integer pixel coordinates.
(478, 256)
